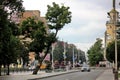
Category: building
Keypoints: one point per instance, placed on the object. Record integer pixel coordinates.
(18, 18)
(112, 24)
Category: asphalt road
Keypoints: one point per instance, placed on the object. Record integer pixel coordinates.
(77, 76)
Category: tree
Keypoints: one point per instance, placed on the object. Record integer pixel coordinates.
(9, 51)
(111, 51)
(20, 48)
(95, 53)
(41, 38)
(7, 7)
(56, 17)
(11, 6)
(58, 51)
(36, 31)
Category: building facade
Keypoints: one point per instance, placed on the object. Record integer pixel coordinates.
(112, 25)
(19, 17)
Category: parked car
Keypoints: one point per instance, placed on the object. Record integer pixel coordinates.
(85, 68)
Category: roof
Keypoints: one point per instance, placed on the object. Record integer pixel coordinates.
(114, 11)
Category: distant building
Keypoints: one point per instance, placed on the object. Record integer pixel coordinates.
(18, 18)
(112, 25)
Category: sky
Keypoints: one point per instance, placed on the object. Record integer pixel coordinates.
(88, 19)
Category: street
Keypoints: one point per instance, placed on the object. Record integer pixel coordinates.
(77, 76)
(69, 75)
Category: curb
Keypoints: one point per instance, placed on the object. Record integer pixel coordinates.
(53, 75)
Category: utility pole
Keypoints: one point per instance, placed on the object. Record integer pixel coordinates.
(116, 62)
(53, 47)
(115, 36)
(105, 38)
(64, 53)
(73, 57)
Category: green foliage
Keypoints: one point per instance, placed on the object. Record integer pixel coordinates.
(37, 32)
(8, 46)
(110, 52)
(28, 27)
(58, 52)
(95, 53)
(57, 16)
(8, 43)
(14, 28)
(12, 6)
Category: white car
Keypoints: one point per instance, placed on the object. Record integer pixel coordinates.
(85, 68)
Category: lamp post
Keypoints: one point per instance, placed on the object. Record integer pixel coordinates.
(64, 53)
(115, 21)
(53, 47)
(116, 62)
(73, 58)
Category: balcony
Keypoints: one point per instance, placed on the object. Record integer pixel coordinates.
(111, 22)
(118, 24)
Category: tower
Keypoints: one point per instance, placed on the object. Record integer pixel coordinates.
(113, 21)
(111, 25)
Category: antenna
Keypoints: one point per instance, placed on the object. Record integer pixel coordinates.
(113, 4)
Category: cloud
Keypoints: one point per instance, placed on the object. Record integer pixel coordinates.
(85, 33)
(83, 46)
(88, 19)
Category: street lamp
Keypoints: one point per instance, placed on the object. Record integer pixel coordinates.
(73, 57)
(115, 22)
(116, 62)
(53, 47)
(64, 53)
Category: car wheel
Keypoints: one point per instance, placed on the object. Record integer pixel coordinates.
(82, 70)
(88, 70)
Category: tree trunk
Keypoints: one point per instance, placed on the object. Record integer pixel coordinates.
(116, 75)
(8, 70)
(36, 70)
(40, 61)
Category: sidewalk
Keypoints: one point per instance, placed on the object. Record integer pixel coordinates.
(106, 75)
(29, 76)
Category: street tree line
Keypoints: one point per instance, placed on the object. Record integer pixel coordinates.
(110, 52)
(10, 46)
(96, 52)
(64, 51)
